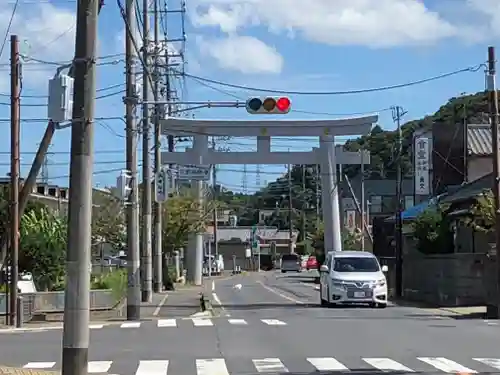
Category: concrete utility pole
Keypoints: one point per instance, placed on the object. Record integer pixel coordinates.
(493, 104)
(290, 209)
(363, 201)
(146, 261)
(304, 203)
(214, 198)
(157, 206)
(133, 255)
(77, 291)
(318, 197)
(15, 103)
(398, 113)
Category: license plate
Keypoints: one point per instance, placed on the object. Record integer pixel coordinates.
(359, 294)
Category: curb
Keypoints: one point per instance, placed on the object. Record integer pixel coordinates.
(25, 371)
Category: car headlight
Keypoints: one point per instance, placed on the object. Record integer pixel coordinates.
(338, 284)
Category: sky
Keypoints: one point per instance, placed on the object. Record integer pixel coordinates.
(290, 45)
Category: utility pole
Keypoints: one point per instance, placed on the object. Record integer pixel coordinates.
(77, 292)
(318, 198)
(398, 113)
(15, 103)
(304, 203)
(157, 244)
(146, 261)
(363, 224)
(493, 104)
(290, 209)
(214, 197)
(133, 255)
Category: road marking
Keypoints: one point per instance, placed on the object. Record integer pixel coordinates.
(131, 325)
(238, 321)
(387, 364)
(152, 368)
(269, 365)
(280, 294)
(96, 326)
(446, 365)
(492, 362)
(216, 299)
(160, 305)
(202, 322)
(327, 364)
(213, 285)
(39, 365)
(273, 322)
(167, 323)
(211, 367)
(98, 367)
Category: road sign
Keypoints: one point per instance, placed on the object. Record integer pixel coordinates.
(194, 172)
(254, 239)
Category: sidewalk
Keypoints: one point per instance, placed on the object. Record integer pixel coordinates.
(25, 371)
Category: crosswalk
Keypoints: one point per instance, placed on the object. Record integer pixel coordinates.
(219, 366)
(161, 323)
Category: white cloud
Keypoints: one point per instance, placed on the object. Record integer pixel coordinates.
(376, 24)
(246, 54)
(46, 32)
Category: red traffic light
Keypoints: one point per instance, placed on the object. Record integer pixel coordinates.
(269, 105)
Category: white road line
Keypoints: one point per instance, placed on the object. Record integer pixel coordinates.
(280, 294)
(131, 325)
(211, 367)
(273, 322)
(98, 367)
(446, 365)
(216, 299)
(269, 365)
(327, 364)
(492, 362)
(202, 322)
(240, 322)
(167, 323)
(39, 365)
(386, 364)
(96, 326)
(152, 368)
(160, 305)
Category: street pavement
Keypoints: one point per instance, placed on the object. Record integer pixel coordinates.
(272, 323)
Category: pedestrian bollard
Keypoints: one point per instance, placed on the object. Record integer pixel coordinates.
(19, 312)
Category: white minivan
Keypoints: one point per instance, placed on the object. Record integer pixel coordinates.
(352, 277)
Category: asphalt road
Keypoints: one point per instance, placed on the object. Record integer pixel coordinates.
(274, 324)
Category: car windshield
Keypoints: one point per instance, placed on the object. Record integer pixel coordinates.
(289, 258)
(356, 264)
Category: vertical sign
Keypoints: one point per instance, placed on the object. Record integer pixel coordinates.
(422, 166)
(350, 222)
(161, 186)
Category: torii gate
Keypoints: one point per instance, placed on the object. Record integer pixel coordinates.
(327, 156)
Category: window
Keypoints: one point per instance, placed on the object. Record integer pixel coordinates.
(376, 204)
(409, 201)
(290, 257)
(356, 264)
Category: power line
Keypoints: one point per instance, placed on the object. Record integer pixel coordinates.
(344, 92)
(9, 26)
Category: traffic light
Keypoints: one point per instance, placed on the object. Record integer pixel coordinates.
(269, 105)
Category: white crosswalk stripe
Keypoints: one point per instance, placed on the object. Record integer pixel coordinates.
(273, 322)
(131, 325)
(219, 366)
(167, 323)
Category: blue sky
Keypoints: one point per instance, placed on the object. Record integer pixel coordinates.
(319, 45)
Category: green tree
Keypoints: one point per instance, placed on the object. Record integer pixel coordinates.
(431, 232)
(43, 242)
(483, 213)
(108, 221)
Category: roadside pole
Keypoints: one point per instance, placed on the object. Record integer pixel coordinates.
(77, 291)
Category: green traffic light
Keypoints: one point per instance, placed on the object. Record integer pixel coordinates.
(254, 104)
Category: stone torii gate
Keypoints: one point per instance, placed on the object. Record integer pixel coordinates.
(327, 156)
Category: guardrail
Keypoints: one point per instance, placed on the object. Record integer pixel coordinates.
(53, 302)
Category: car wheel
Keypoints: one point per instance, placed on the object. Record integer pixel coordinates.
(381, 305)
(283, 271)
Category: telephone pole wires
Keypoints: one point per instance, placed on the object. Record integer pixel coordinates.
(77, 291)
(398, 113)
(131, 99)
(493, 107)
(15, 103)
(146, 269)
(157, 206)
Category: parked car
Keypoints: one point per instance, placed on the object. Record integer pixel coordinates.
(312, 263)
(351, 277)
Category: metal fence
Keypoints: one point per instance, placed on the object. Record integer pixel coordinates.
(53, 302)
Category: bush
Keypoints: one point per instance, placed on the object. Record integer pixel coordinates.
(116, 281)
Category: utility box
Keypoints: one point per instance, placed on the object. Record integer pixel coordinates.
(60, 105)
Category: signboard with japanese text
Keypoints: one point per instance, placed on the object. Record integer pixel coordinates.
(422, 175)
(350, 222)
